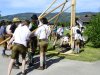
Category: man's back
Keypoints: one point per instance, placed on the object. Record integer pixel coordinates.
(21, 35)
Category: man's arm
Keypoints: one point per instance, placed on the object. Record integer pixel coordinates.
(11, 40)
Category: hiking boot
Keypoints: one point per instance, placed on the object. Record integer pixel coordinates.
(18, 63)
(41, 68)
(23, 73)
(53, 47)
(15, 67)
(30, 65)
(5, 55)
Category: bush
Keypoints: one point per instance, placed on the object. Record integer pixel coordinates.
(93, 31)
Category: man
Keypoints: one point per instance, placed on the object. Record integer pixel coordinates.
(80, 24)
(65, 41)
(33, 42)
(74, 31)
(2, 35)
(20, 37)
(77, 39)
(60, 32)
(43, 33)
(8, 27)
(15, 24)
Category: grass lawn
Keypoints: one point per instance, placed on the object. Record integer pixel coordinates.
(88, 53)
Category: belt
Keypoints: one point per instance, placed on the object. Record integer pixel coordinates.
(18, 44)
(43, 39)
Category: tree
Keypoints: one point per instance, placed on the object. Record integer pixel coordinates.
(65, 24)
(93, 31)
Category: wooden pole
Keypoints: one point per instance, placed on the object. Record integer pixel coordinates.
(52, 10)
(51, 19)
(48, 8)
(73, 9)
(58, 14)
(5, 40)
(43, 16)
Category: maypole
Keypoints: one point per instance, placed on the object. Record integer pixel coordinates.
(73, 11)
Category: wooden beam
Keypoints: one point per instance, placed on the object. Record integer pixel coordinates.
(73, 8)
(48, 8)
(52, 10)
(51, 19)
(58, 14)
(5, 40)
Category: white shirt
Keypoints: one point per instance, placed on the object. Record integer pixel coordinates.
(20, 25)
(60, 31)
(65, 39)
(74, 30)
(8, 29)
(21, 35)
(43, 32)
(78, 37)
(40, 23)
(30, 25)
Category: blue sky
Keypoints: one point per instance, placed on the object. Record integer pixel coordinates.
(8, 7)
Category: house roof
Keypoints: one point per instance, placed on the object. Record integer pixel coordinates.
(85, 18)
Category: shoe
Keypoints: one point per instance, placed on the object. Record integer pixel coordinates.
(5, 55)
(41, 68)
(19, 64)
(53, 47)
(23, 74)
(44, 66)
(30, 65)
(15, 67)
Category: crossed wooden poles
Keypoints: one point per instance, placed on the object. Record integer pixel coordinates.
(45, 13)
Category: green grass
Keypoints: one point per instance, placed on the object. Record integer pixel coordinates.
(88, 54)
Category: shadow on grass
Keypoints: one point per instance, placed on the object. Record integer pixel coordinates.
(81, 50)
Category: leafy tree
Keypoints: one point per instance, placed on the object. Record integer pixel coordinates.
(93, 31)
(65, 24)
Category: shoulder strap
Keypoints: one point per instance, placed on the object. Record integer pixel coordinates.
(45, 31)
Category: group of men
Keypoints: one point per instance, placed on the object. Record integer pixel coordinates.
(26, 34)
(77, 37)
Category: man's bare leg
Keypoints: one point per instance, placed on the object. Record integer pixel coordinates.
(23, 65)
(10, 66)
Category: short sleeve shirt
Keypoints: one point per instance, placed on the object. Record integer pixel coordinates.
(12, 28)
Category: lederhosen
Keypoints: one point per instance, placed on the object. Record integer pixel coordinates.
(43, 44)
(33, 44)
